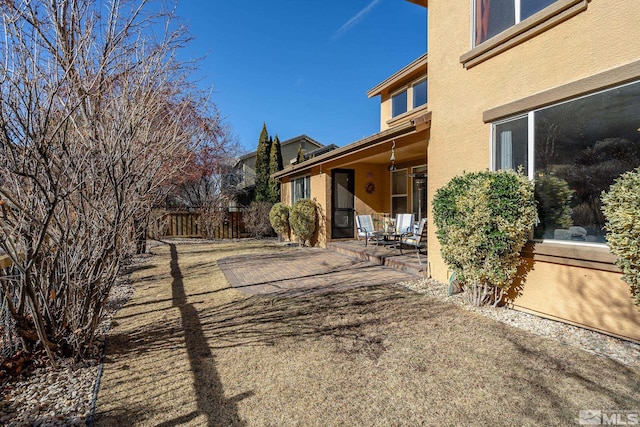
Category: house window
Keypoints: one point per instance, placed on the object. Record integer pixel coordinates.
(399, 192)
(494, 16)
(511, 144)
(573, 151)
(399, 103)
(420, 93)
(301, 188)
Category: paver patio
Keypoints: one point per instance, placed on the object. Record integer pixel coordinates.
(305, 270)
(189, 349)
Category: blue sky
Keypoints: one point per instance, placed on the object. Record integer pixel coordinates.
(301, 66)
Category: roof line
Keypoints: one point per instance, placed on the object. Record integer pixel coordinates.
(376, 90)
(367, 142)
(286, 142)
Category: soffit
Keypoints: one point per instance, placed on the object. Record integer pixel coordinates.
(404, 76)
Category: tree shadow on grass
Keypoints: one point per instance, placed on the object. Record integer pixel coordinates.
(537, 381)
(210, 400)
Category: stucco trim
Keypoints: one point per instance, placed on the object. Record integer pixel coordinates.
(400, 117)
(538, 23)
(605, 80)
(587, 256)
(400, 75)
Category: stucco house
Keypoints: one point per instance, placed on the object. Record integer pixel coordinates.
(244, 170)
(552, 86)
(356, 178)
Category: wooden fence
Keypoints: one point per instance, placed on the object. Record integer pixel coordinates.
(228, 225)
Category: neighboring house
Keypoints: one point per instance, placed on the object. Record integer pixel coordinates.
(245, 166)
(552, 86)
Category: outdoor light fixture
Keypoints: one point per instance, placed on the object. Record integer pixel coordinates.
(393, 157)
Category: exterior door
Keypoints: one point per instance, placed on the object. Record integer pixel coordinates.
(342, 203)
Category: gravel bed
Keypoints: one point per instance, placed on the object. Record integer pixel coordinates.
(64, 397)
(625, 352)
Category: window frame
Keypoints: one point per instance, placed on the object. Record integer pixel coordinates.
(405, 90)
(530, 114)
(306, 179)
(413, 93)
(532, 26)
(404, 195)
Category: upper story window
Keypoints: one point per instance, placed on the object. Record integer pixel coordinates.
(573, 151)
(399, 103)
(494, 16)
(420, 93)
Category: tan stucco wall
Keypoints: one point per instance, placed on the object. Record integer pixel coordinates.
(585, 297)
(605, 36)
(364, 172)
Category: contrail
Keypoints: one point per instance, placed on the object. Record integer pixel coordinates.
(354, 20)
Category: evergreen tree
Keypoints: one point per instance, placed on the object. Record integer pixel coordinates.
(300, 157)
(275, 165)
(262, 166)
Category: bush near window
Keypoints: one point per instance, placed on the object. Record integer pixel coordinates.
(279, 218)
(621, 207)
(483, 220)
(554, 198)
(302, 219)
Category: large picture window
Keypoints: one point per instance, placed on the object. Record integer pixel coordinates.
(494, 16)
(573, 151)
(301, 188)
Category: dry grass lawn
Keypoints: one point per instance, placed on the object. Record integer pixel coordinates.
(190, 350)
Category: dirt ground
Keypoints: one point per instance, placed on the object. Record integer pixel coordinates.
(190, 350)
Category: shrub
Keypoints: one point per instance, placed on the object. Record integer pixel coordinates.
(279, 218)
(554, 196)
(483, 220)
(256, 219)
(302, 219)
(621, 207)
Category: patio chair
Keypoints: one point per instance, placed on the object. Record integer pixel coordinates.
(364, 224)
(417, 240)
(403, 225)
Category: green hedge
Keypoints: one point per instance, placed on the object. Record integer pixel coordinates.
(279, 218)
(302, 219)
(483, 220)
(621, 207)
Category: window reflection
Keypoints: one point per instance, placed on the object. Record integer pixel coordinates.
(581, 147)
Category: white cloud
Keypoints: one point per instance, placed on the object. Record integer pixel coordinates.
(355, 20)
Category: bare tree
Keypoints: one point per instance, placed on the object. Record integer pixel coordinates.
(96, 118)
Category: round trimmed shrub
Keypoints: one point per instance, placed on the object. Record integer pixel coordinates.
(483, 220)
(302, 219)
(279, 218)
(621, 208)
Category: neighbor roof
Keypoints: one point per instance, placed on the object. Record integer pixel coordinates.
(289, 141)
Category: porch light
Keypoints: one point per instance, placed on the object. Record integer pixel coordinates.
(393, 157)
